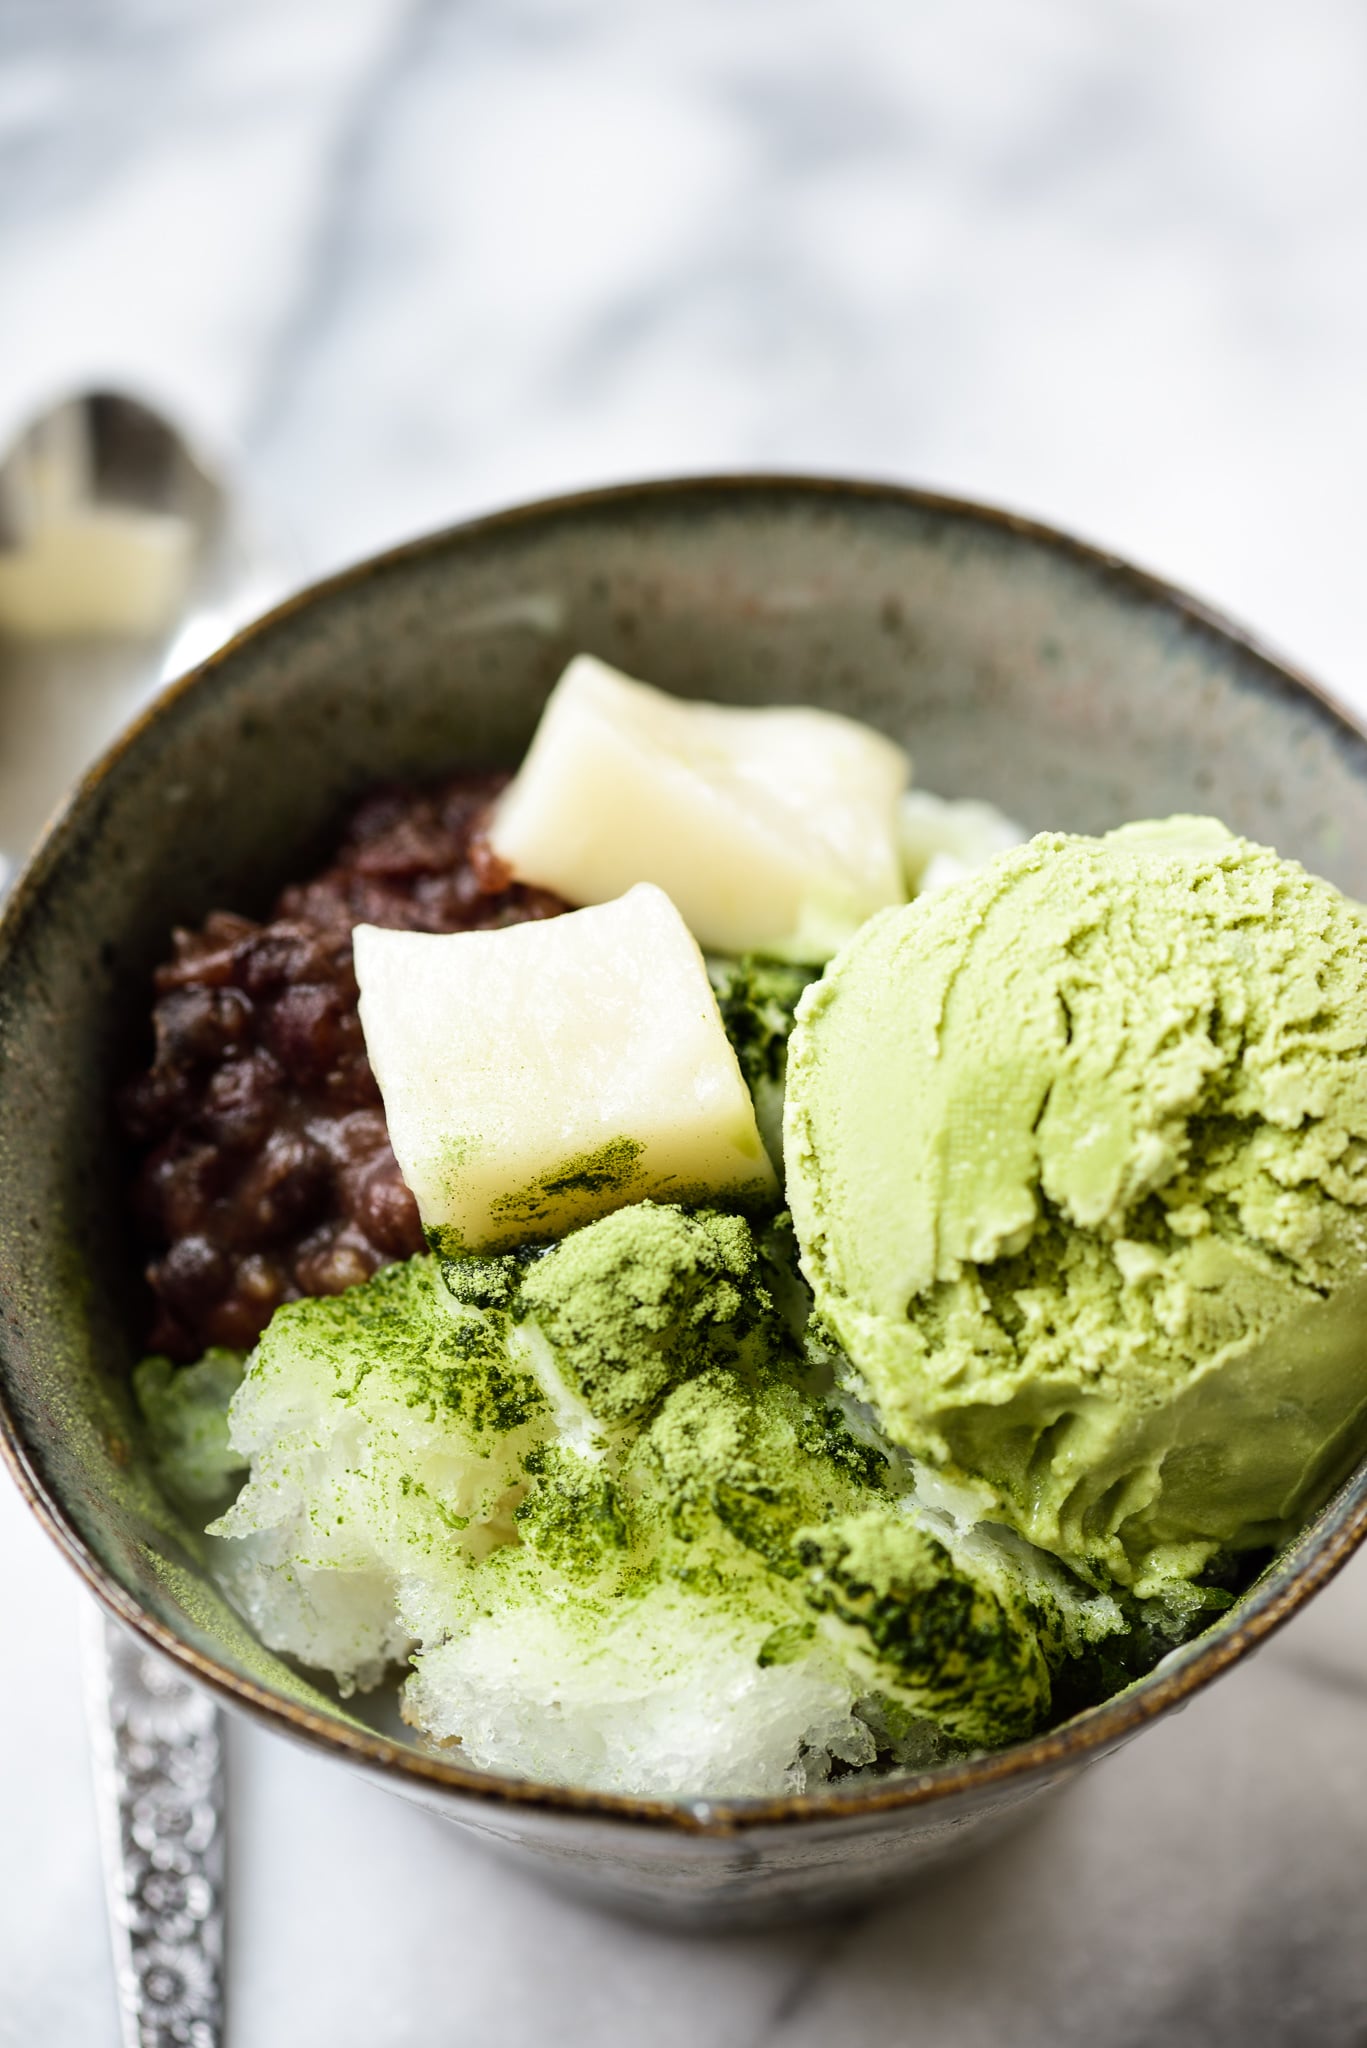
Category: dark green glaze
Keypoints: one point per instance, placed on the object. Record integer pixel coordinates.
(1017, 665)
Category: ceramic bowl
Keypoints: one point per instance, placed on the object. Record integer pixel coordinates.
(1017, 664)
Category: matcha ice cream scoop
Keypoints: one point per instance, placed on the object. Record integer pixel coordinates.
(1077, 1157)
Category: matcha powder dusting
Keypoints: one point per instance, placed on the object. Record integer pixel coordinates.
(1077, 1158)
(646, 1297)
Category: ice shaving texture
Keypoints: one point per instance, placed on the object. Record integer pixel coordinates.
(1077, 1157)
(774, 829)
(385, 1426)
(185, 1409)
(606, 1498)
(540, 1075)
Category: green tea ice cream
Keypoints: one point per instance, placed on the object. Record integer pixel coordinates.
(1077, 1157)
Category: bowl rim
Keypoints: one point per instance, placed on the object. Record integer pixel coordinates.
(1269, 1604)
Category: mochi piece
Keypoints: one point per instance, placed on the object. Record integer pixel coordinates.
(945, 838)
(539, 1076)
(774, 831)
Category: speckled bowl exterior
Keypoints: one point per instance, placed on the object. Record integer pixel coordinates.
(1017, 664)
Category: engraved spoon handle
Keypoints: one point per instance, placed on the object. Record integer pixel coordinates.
(156, 1739)
(157, 1745)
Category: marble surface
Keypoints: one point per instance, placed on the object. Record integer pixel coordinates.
(408, 261)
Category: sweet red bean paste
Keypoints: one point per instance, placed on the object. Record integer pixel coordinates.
(268, 1172)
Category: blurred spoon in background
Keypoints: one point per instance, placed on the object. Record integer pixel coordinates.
(123, 560)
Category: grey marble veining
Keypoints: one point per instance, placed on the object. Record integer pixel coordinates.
(413, 260)
(420, 258)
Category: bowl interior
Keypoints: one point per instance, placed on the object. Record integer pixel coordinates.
(1016, 665)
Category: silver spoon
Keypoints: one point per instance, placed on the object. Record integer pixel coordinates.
(157, 1746)
(122, 561)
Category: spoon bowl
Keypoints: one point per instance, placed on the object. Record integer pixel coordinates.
(123, 557)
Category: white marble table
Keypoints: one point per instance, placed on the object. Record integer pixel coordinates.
(1108, 264)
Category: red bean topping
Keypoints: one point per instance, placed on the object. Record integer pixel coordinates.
(301, 1027)
(333, 1264)
(358, 1136)
(180, 1184)
(386, 1210)
(267, 1171)
(154, 1102)
(197, 1025)
(194, 1271)
(489, 869)
(284, 1188)
(242, 1102)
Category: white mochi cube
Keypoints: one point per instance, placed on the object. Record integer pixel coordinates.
(774, 831)
(945, 838)
(538, 1076)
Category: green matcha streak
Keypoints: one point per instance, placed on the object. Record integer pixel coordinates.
(1077, 1158)
(647, 1297)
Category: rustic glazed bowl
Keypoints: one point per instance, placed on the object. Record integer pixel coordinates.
(1017, 664)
